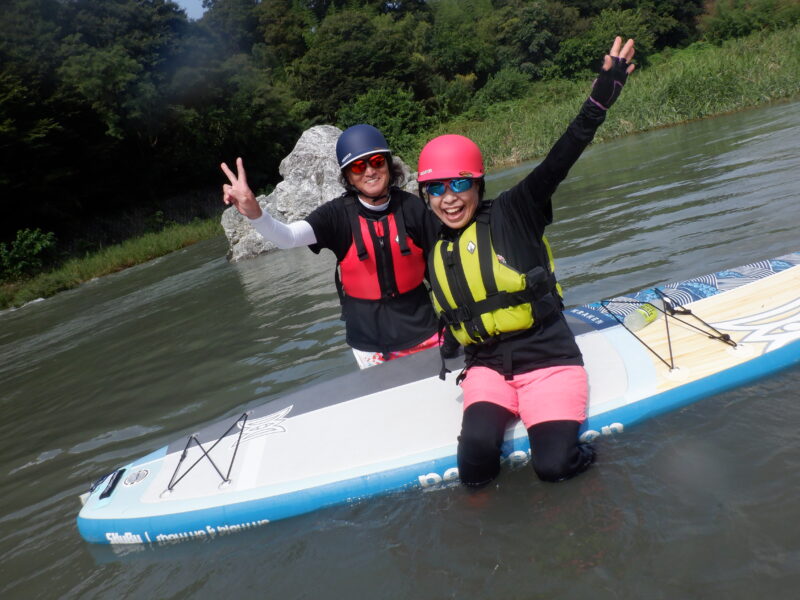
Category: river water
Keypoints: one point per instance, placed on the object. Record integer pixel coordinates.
(700, 503)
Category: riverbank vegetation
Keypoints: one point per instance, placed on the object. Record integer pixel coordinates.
(75, 271)
(114, 116)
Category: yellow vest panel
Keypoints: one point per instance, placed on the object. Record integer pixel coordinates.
(458, 282)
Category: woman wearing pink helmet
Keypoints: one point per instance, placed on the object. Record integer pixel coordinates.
(493, 284)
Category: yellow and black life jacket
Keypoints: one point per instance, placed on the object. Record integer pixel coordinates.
(478, 296)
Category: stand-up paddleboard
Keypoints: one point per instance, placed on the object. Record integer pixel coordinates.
(395, 426)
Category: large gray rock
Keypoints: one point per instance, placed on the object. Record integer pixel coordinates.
(310, 178)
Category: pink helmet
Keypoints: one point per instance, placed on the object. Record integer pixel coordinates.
(448, 157)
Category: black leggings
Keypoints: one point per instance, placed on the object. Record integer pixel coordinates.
(556, 454)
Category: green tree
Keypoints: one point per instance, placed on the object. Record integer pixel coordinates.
(460, 38)
(133, 92)
(234, 21)
(241, 112)
(283, 26)
(527, 35)
(672, 22)
(450, 98)
(506, 84)
(108, 79)
(393, 110)
(353, 51)
(584, 53)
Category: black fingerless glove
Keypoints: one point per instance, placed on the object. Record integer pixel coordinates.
(608, 85)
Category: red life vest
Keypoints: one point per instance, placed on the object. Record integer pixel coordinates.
(389, 264)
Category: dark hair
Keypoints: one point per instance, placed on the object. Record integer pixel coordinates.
(481, 190)
(395, 175)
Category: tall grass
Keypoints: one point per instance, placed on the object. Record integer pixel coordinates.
(108, 260)
(699, 81)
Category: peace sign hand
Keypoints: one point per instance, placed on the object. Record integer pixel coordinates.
(238, 193)
(616, 68)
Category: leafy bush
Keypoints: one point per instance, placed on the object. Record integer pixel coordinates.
(737, 18)
(392, 110)
(506, 84)
(584, 53)
(451, 98)
(156, 222)
(27, 254)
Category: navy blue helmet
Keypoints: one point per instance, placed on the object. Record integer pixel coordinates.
(357, 141)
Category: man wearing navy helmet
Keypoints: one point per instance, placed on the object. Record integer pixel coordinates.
(380, 236)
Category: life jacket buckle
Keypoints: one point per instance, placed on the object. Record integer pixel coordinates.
(541, 285)
(545, 306)
(538, 281)
(462, 314)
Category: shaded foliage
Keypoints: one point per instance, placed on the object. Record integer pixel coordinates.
(393, 110)
(584, 53)
(110, 106)
(528, 34)
(27, 254)
(736, 18)
(356, 49)
(506, 84)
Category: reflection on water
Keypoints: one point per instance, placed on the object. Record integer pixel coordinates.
(292, 298)
(695, 504)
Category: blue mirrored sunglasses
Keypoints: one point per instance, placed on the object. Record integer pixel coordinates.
(437, 188)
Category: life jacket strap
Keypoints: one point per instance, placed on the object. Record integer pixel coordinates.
(540, 292)
(355, 226)
(508, 367)
(402, 236)
(337, 279)
(483, 237)
(444, 370)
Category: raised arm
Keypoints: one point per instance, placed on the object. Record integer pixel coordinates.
(540, 184)
(239, 195)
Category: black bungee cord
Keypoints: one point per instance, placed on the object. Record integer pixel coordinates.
(671, 309)
(207, 454)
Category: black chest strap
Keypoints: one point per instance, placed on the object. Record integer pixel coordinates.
(355, 225)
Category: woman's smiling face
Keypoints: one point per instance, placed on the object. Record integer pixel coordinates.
(454, 209)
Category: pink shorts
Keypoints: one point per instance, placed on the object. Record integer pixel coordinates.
(548, 394)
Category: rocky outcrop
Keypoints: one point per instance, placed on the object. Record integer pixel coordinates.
(310, 178)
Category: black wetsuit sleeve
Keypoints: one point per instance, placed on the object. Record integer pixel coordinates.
(331, 228)
(534, 193)
(421, 224)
